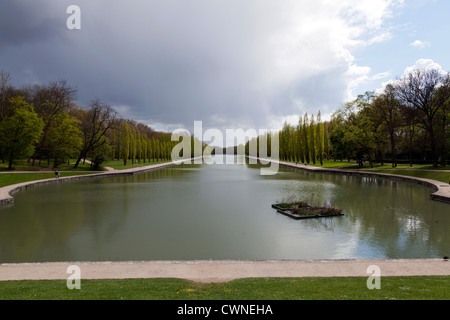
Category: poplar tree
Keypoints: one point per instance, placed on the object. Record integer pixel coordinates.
(125, 142)
(320, 139)
(312, 140)
(305, 138)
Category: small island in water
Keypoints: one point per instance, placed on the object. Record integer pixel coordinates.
(299, 210)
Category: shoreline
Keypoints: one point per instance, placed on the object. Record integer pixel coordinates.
(7, 192)
(441, 189)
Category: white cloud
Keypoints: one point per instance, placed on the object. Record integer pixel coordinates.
(420, 44)
(421, 64)
(424, 64)
(381, 75)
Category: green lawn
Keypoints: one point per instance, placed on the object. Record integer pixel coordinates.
(334, 164)
(388, 166)
(23, 165)
(331, 164)
(439, 176)
(7, 179)
(398, 288)
(118, 164)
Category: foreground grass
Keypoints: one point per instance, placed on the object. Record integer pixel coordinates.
(7, 179)
(392, 288)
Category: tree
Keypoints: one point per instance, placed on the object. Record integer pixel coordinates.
(6, 92)
(64, 138)
(49, 102)
(125, 142)
(425, 92)
(95, 123)
(19, 131)
(312, 140)
(299, 140)
(320, 139)
(305, 138)
(387, 107)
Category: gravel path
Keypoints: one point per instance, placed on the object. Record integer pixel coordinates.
(223, 271)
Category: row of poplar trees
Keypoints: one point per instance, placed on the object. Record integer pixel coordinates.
(42, 123)
(134, 142)
(407, 121)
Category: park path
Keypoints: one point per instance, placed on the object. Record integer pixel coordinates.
(224, 271)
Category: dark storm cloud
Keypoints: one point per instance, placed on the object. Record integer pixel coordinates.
(168, 63)
(27, 22)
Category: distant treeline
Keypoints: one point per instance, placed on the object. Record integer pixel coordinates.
(43, 123)
(407, 120)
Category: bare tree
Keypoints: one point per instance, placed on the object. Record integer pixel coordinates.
(421, 91)
(5, 90)
(95, 123)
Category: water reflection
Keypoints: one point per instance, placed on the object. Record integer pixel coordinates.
(221, 212)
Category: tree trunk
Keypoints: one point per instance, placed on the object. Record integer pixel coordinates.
(410, 148)
(394, 153)
(78, 160)
(10, 161)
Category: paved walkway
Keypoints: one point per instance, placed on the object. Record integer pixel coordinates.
(223, 271)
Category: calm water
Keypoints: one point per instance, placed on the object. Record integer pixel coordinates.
(220, 212)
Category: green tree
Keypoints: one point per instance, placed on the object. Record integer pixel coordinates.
(125, 142)
(305, 137)
(64, 138)
(312, 140)
(20, 131)
(320, 139)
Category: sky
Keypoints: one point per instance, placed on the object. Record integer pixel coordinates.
(232, 64)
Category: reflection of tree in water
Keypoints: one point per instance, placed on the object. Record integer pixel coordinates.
(395, 217)
(42, 221)
(27, 228)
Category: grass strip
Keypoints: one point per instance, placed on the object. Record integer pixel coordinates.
(439, 176)
(118, 164)
(7, 179)
(392, 288)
